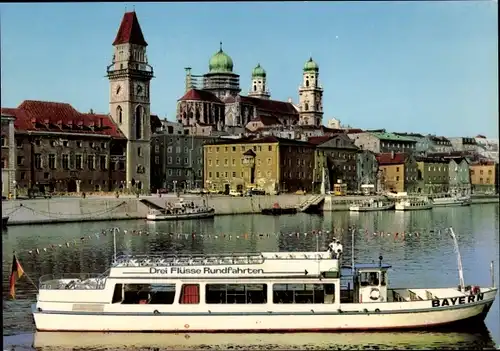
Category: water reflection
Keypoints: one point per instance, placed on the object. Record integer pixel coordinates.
(478, 339)
(426, 260)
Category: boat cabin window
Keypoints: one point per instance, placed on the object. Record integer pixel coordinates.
(236, 293)
(190, 294)
(152, 294)
(383, 279)
(369, 278)
(303, 293)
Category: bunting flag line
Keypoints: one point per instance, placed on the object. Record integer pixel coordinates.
(15, 274)
(325, 234)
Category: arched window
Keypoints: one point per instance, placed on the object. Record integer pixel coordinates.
(119, 114)
(307, 82)
(254, 88)
(306, 106)
(139, 118)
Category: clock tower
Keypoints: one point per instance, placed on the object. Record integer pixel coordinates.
(129, 76)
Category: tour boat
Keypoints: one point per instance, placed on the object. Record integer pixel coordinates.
(450, 200)
(413, 203)
(249, 292)
(180, 210)
(372, 205)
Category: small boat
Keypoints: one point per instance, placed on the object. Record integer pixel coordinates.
(5, 219)
(372, 205)
(413, 204)
(277, 210)
(450, 200)
(250, 292)
(180, 210)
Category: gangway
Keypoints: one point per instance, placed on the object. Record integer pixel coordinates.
(312, 201)
(151, 204)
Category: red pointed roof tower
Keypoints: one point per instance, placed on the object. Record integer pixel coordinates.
(130, 31)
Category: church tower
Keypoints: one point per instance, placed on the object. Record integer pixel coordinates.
(311, 96)
(129, 76)
(259, 86)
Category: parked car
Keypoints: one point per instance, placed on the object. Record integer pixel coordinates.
(235, 193)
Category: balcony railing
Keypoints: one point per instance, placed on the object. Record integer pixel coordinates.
(73, 281)
(143, 68)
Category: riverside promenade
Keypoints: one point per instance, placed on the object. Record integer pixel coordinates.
(105, 208)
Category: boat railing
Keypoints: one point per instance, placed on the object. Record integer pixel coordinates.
(169, 259)
(73, 281)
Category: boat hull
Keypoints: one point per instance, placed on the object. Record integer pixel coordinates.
(370, 209)
(412, 208)
(162, 217)
(279, 211)
(266, 322)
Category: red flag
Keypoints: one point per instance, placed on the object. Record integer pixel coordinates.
(16, 273)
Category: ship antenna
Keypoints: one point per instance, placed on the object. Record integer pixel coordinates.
(459, 260)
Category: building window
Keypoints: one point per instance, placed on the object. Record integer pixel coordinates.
(65, 161)
(157, 160)
(169, 172)
(38, 161)
(19, 143)
(179, 172)
(78, 162)
(20, 160)
(52, 161)
(209, 174)
(234, 174)
(178, 160)
(102, 162)
(79, 144)
(186, 161)
(23, 175)
(169, 160)
(90, 162)
(139, 151)
(46, 175)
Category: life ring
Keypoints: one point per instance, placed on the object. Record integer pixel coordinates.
(374, 294)
(186, 326)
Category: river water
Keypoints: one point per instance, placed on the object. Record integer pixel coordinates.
(423, 260)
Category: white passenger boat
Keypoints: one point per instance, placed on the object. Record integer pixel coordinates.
(180, 210)
(450, 200)
(372, 205)
(413, 203)
(248, 292)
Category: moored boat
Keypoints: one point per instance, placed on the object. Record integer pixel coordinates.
(413, 203)
(277, 210)
(372, 205)
(180, 210)
(450, 200)
(248, 292)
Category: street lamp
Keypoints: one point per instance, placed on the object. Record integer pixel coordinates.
(15, 189)
(175, 183)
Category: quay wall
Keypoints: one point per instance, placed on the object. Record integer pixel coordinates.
(76, 209)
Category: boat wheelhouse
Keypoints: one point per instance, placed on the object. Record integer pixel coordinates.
(180, 210)
(247, 292)
(372, 205)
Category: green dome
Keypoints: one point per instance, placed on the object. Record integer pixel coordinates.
(220, 62)
(311, 65)
(258, 72)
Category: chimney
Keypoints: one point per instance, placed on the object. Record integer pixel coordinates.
(392, 155)
(91, 112)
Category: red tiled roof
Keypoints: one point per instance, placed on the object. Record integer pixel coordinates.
(266, 120)
(277, 107)
(199, 95)
(387, 159)
(317, 140)
(60, 117)
(130, 31)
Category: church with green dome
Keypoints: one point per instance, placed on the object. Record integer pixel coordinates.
(213, 101)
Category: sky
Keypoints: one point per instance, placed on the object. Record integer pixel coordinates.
(423, 67)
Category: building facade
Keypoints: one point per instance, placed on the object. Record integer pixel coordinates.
(483, 176)
(383, 142)
(464, 144)
(459, 175)
(433, 175)
(177, 159)
(335, 161)
(366, 169)
(398, 172)
(8, 143)
(269, 163)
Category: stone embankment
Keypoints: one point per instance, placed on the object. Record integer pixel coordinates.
(76, 209)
